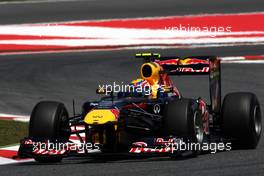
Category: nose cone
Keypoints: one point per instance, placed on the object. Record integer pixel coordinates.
(101, 116)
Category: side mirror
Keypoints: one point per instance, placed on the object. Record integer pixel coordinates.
(167, 89)
(164, 92)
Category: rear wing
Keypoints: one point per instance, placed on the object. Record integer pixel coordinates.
(193, 65)
(200, 65)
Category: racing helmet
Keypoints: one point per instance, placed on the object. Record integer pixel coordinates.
(141, 86)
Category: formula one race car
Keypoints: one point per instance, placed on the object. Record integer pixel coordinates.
(152, 117)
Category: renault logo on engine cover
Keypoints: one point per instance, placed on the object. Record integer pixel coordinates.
(156, 108)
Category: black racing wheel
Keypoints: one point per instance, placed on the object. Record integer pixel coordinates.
(49, 120)
(241, 119)
(183, 118)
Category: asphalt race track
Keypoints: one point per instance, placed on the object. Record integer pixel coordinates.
(105, 9)
(27, 79)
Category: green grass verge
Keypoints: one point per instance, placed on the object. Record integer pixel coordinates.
(12, 131)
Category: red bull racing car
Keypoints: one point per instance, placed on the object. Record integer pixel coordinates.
(152, 117)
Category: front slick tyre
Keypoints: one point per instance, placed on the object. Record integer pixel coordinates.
(183, 119)
(49, 121)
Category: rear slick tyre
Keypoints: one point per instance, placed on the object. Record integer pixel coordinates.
(241, 119)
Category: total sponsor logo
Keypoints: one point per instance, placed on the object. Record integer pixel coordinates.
(191, 70)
